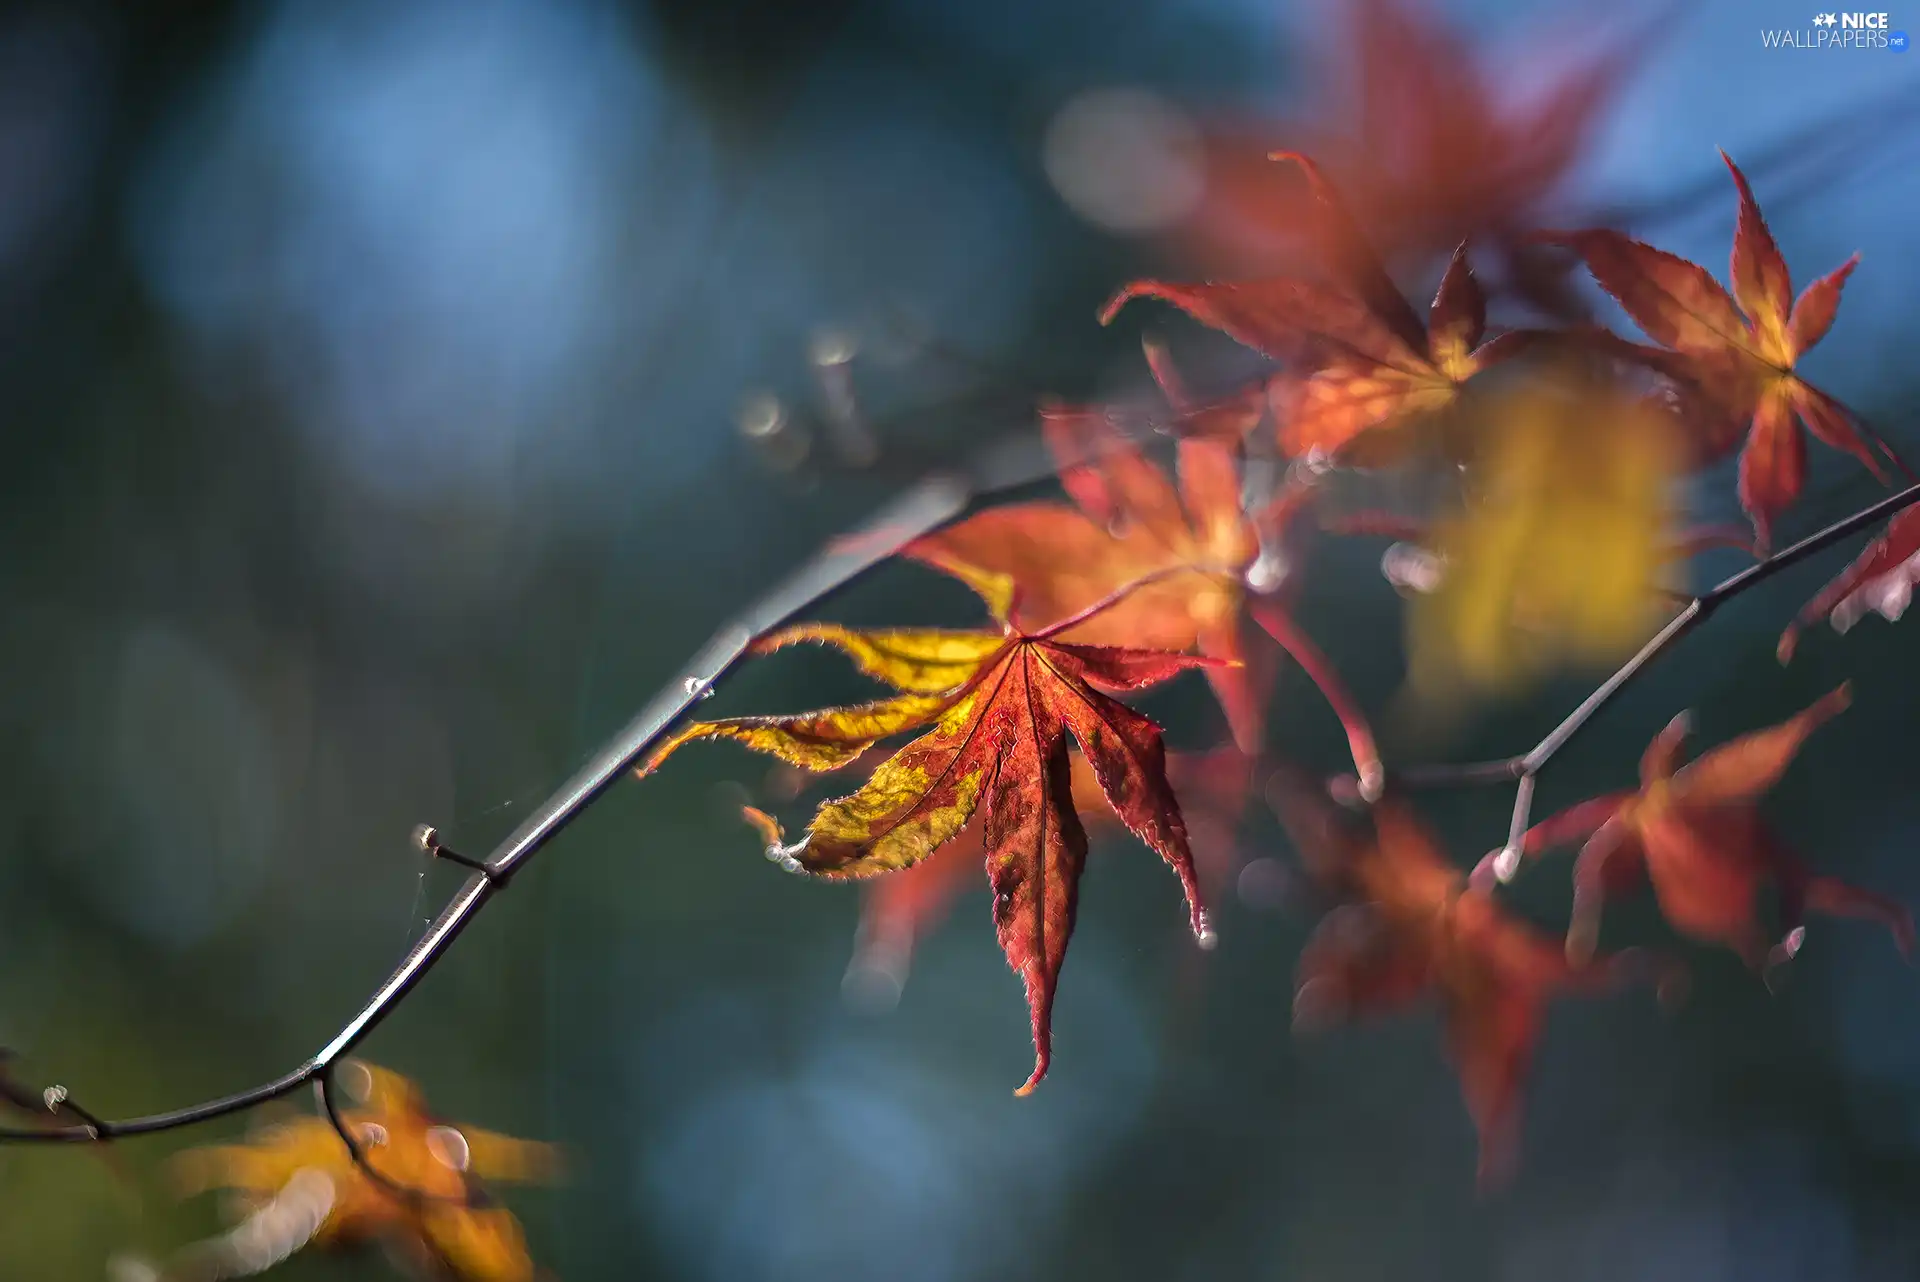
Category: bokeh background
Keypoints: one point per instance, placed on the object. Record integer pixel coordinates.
(370, 377)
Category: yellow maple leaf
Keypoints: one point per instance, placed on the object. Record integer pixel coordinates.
(295, 1184)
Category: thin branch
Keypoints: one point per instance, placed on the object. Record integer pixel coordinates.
(1529, 764)
(937, 499)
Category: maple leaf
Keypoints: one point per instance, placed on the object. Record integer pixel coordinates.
(1880, 580)
(897, 910)
(1417, 131)
(1364, 363)
(298, 1185)
(994, 711)
(1738, 351)
(1554, 557)
(1411, 928)
(1694, 831)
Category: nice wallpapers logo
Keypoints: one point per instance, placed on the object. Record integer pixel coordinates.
(1837, 31)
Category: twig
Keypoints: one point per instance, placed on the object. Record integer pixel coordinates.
(324, 1087)
(1527, 765)
(937, 499)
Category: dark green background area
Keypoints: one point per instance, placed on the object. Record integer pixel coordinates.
(221, 714)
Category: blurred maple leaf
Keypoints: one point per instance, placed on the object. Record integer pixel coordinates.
(1736, 353)
(993, 710)
(1423, 142)
(1361, 363)
(1880, 580)
(1411, 927)
(1555, 555)
(296, 1184)
(1695, 832)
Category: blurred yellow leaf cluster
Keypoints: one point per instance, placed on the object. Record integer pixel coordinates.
(296, 1184)
(1552, 559)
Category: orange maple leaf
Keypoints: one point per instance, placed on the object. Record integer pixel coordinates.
(1737, 352)
(1361, 361)
(297, 1184)
(994, 710)
(1415, 129)
(1694, 831)
(1411, 927)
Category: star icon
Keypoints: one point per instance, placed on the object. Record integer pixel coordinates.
(1824, 20)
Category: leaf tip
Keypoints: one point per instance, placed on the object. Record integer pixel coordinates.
(1203, 932)
(1789, 641)
(1127, 293)
(1836, 701)
(1372, 782)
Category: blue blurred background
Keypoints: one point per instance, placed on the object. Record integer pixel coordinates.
(372, 376)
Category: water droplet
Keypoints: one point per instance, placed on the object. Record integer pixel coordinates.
(1373, 782)
(1268, 571)
(449, 1148)
(1506, 863)
(1264, 883)
(373, 1135)
(699, 686)
(356, 1079)
(1203, 932)
(762, 416)
(834, 347)
(1413, 570)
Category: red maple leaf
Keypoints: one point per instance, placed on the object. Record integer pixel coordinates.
(1417, 132)
(993, 710)
(1361, 363)
(1737, 352)
(1694, 831)
(1412, 928)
